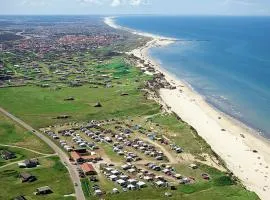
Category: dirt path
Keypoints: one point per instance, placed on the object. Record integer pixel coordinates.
(14, 146)
(171, 158)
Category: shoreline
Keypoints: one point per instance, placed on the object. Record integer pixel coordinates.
(245, 152)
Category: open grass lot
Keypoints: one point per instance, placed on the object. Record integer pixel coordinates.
(40, 106)
(50, 173)
(47, 104)
(12, 134)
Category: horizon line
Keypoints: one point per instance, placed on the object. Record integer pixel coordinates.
(156, 14)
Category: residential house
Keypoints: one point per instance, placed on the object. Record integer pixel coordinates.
(43, 190)
(7, 155)
(27, 177)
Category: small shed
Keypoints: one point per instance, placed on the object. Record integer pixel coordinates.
(44, 190)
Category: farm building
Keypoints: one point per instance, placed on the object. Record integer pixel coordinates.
(88, 169)
(76, 157)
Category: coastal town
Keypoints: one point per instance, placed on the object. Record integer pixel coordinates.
(84, 116)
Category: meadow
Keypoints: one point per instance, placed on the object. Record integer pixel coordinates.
(50, 173)
(41, 106)
(13, 134)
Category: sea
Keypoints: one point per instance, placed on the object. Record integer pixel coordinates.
(226, 59)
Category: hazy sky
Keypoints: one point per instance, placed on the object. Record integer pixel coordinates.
(169, 7)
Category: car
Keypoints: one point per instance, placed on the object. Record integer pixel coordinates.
(76, 184)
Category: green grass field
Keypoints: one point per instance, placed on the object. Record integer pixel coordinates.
(206, 193)
(13, 134)
(40, 106)
(51, 173)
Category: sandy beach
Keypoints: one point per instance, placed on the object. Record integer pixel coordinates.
(244, 151)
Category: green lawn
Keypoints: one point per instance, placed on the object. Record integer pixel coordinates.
(47, 104)
(212, 193)
(40, 106)
(13, 134)
(51, 173)
(195, 192)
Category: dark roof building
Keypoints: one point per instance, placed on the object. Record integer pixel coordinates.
(31, 163)
(20, 198)
(27, 177)
(7, 155)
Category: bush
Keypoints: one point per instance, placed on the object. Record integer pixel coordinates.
(223, 180)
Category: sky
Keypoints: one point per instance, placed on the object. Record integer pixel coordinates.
(108, 7)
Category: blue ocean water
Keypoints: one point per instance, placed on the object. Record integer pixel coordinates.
(226, 59)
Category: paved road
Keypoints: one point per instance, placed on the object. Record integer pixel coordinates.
(63, 157)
